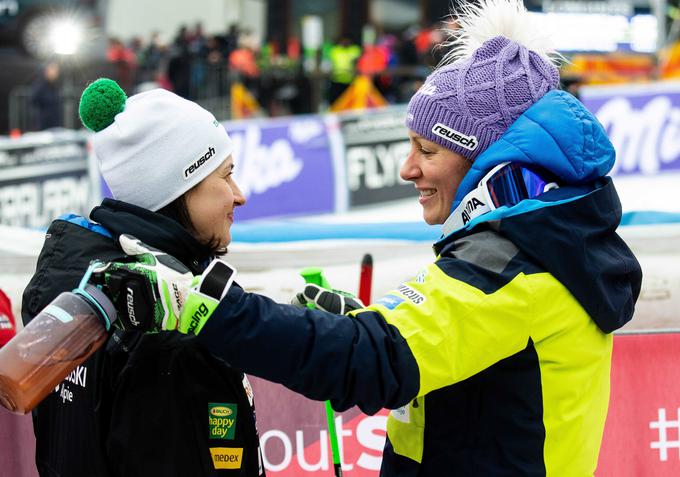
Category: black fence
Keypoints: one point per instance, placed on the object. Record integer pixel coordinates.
(279, 91)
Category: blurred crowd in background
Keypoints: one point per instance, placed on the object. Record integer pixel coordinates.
(195, 65)
(282, 79)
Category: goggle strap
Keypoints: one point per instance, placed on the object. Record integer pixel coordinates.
(472, 206)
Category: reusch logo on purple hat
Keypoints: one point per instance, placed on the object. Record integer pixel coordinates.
(500, 72)
(468, 142)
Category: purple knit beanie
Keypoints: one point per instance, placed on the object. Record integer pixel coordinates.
(467, 105)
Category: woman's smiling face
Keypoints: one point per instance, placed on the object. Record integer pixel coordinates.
(436, 172)
(212, 202)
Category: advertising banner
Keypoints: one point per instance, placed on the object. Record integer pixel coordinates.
(376, 145)
(294, 435)
(643, 123)
(641, 436)
(43, 177)
(642, 433)
(284, 166)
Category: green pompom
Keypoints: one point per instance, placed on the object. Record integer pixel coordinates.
(99, 104)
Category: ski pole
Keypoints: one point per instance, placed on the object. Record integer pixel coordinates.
(366, 279)
(314, 275)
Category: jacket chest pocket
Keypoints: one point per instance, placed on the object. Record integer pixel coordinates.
(406, 429)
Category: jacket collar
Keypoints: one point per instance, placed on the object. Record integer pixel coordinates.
(153, 229)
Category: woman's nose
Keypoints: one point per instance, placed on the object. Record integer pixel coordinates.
(239, 198)
(410, 170)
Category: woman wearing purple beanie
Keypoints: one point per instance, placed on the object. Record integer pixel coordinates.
(495, 358)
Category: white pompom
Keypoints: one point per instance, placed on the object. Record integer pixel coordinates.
(491, 18)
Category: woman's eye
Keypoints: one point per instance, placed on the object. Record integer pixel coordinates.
(425, 151)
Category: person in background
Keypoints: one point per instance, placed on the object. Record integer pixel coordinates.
(125, 62)
(46, 98)
(343, 58)
(495, 358)
(147, 405)
(7, 323)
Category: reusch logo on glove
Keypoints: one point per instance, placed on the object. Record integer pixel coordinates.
(468, 142)
(130, 301)
(195, 165)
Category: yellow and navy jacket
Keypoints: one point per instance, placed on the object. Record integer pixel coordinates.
(494, 359)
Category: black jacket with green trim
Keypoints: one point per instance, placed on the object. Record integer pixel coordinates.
(141, 405)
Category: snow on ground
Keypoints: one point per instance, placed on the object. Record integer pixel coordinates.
(659, 193)
(273, 268)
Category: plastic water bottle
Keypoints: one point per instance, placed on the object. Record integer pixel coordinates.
(62, 336)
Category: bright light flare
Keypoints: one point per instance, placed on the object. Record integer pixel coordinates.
(65, 36)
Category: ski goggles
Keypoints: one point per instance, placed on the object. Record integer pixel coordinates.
(506, 185)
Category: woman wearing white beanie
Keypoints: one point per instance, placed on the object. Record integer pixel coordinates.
(146, 404)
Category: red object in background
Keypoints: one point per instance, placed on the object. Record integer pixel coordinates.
(293, 49)
(243, 60)
(7, 323)
(366, 279)
(642, 433)
(374, 60)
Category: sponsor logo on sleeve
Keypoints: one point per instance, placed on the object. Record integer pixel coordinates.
(390, 301)
(456, 137)
(222, 420)
(413, 295)
(227, 457)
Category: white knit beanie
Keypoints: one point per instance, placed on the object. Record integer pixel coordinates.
(154, 146)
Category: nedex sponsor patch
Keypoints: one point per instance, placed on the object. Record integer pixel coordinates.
(227, 457)
(222, 420)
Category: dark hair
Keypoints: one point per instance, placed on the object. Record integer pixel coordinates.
(178, 211)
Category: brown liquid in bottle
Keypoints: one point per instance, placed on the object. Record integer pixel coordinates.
(54, 343)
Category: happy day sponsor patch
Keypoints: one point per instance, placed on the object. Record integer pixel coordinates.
(222, 420)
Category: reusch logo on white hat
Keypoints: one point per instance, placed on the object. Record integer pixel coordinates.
(468, 142)
(192, 167)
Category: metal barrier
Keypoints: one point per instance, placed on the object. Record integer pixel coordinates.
(280, 90)
(23, 114)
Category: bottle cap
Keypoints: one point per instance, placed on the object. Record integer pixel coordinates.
(104, 303)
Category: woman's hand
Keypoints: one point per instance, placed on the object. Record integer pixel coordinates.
(149, 292)
(333, 301)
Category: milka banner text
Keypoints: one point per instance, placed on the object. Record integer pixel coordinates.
(284, 167)
(643, 123)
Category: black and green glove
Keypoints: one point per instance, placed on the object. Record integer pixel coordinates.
(156, 292)
(333, 301)
(204, 295)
